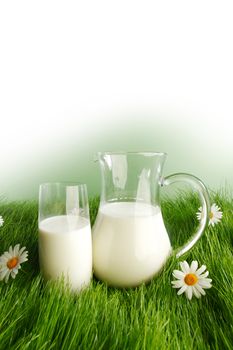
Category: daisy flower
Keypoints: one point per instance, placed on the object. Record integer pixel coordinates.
(10, 262)
(1, 221)
(191, 280)
(215, 215)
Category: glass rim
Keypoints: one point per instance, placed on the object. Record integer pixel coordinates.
(145, 153)
(62, 183)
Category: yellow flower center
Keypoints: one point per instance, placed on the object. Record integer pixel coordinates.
(211, 215)
(190, 279)
(12, 263)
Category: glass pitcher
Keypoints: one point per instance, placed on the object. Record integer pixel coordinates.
(130, 241)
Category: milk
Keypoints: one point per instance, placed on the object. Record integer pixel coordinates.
(130, 243)
(65, 249)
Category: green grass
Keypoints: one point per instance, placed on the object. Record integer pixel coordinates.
(38, 316)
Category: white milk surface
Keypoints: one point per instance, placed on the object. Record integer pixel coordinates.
(130, 243)
(65, 249)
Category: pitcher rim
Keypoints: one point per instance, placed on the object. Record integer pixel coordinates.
(62, 183)
(146, 153)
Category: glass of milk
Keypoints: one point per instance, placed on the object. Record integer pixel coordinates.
(130, 241)
(65, 243)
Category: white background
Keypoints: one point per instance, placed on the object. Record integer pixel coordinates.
(81, 76)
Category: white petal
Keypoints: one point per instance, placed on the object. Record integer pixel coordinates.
(3, 273)
(214, 221)
(219, 215)
(204, 275)
(200, 270)
(24, 253)
(178, 274)
(184, 267)
(194, 266)
(204, 284)
(21, 250)
(215, 208)
(199, 288)
(196, 293)
(206, 280)
(182, 290)
(16, 249)
(7, 276)
(13, 274)
(3, 260)
(22, 259)
(189, 292)
(7, 255)
(177, 284)
(3, 267)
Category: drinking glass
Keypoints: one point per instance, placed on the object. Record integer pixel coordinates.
(65, 243)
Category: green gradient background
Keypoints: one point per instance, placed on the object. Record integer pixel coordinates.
(72, 159)
(113, 76)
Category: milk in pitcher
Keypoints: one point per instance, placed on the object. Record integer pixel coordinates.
(130, 243)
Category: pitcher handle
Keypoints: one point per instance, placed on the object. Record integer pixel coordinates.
(198, 185)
